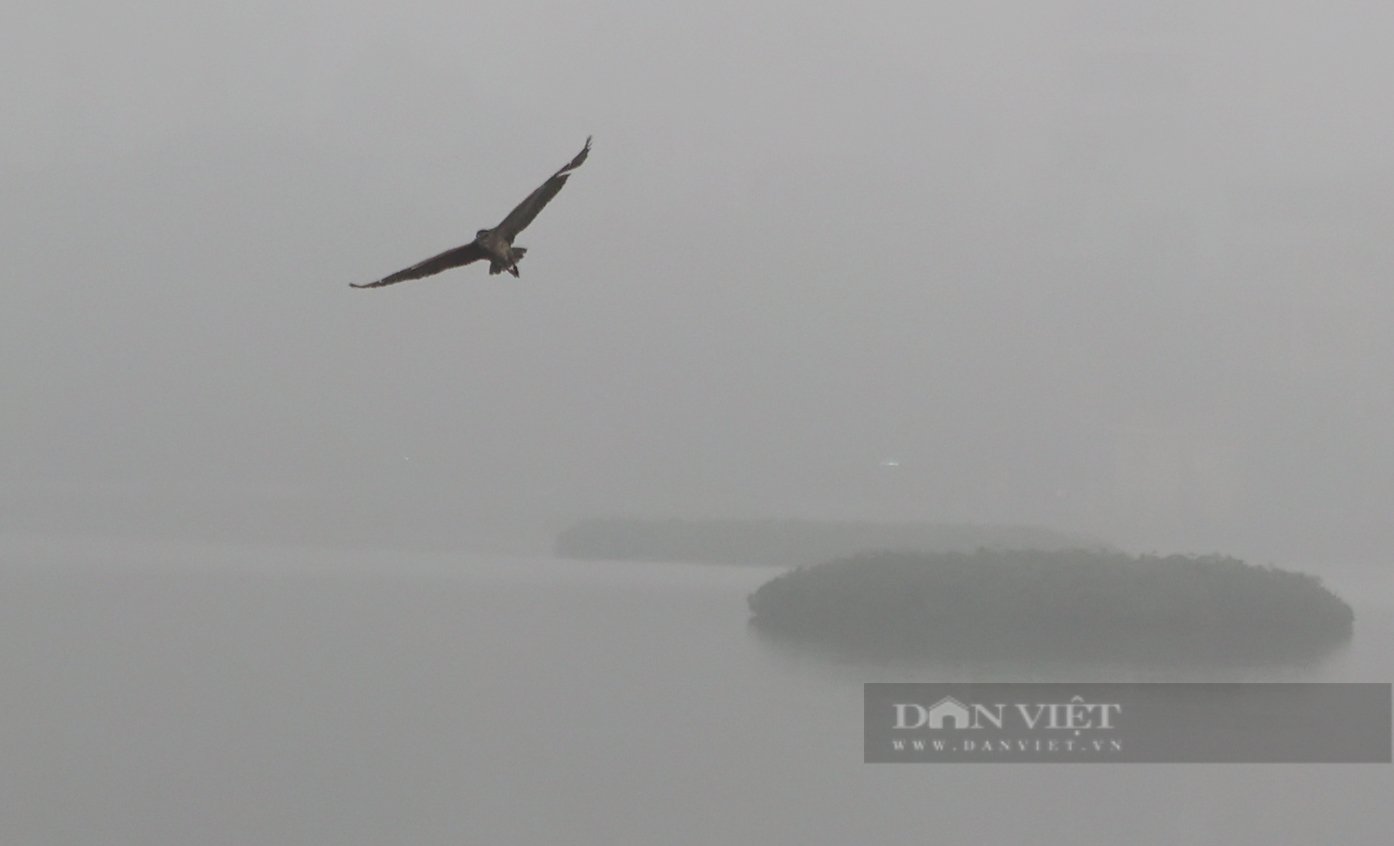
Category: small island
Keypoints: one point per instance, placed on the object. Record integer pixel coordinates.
(1085, 605)
(788, 542)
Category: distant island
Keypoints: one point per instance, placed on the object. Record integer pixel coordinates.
(787, 543)
(1065, 604)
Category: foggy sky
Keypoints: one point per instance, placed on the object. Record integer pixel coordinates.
(1119, 267)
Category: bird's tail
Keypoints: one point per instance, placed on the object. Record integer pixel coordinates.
(497, 267)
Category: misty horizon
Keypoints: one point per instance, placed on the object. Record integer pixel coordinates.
(284, 562)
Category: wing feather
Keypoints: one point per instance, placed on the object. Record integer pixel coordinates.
(456, 257)
(520, 217)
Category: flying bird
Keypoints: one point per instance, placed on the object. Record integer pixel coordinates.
(495, 244)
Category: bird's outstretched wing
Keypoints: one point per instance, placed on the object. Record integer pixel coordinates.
(431, 266)
(520, 217)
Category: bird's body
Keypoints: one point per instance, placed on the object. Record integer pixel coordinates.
(500, 251)
(495, 244)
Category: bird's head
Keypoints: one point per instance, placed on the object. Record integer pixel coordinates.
(481, 235)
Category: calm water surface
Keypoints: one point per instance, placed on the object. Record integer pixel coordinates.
(176, 695)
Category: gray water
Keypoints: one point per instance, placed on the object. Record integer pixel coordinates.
(169, 695)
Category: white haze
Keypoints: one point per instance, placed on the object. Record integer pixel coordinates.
(1114, 267)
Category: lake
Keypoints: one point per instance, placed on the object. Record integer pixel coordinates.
(169, 694)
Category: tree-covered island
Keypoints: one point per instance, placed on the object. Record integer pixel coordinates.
(1066, 604)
